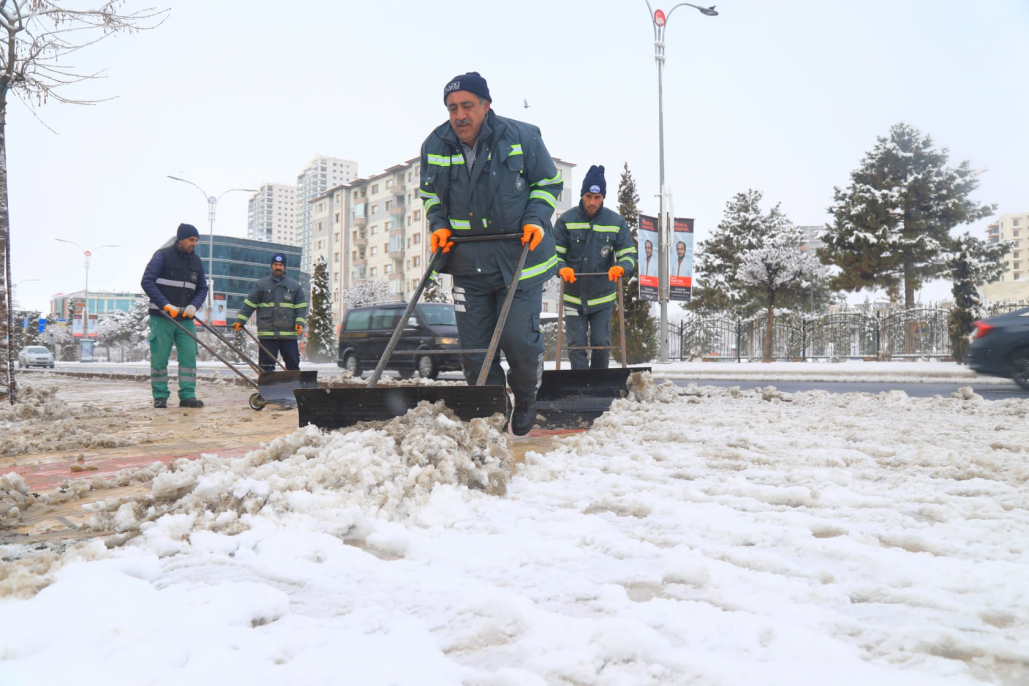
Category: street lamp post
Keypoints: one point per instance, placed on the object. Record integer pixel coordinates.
(660, 21)
(14, 287)
(212, 206)
(85, 298)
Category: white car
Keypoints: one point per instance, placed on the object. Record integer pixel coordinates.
(35, 356)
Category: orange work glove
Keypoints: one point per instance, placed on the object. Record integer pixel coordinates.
(441, 237)
(300, 329)
(532, 235)
(567, 273)
(237, 326)
(172, 310)
(615, 272)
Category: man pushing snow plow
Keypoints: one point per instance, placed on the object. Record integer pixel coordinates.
(485, 181)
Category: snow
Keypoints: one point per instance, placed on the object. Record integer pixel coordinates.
(694, 535)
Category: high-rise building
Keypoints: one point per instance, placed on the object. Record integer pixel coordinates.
(321, 174)
(811, 241)
(271, 214)
(1014, 284)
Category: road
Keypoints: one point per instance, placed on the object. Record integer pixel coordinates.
(915, 390)
(989, 391)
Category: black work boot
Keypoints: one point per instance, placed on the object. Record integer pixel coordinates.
(161, 403)
(191, 402)
(522, 417)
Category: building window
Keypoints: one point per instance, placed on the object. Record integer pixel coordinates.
(389, 205)
(409, 242)
(415, 261)
(375, 188)
(417, 215)
(1014, 222)
(373, 272)
(375, 230)
(375, 208)
(389, 184)
(375, 251)
(417, 238)
(1014, 234)
(387, 269)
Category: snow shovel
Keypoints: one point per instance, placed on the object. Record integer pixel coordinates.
(335, 408)
(272, 387)
(570, 398)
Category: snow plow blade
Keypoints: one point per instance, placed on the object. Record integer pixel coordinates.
(574, 398)
(278, 387)
(337, 408)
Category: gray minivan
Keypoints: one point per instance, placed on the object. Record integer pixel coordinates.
(366, 331)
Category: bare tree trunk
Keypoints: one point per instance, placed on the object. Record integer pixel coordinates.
(769, 323)
(7, 307)
(909, 305)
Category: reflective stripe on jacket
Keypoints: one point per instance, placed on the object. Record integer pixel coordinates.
(593, 245)
(280, 305)
(513, 182)
(174, 277)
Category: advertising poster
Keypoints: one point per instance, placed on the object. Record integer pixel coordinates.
(76, 325)
(91, 332)
(648, 258)
(218, 318)
(680, 258)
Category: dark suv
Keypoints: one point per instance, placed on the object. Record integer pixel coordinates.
(1001, 347)
(366, 331)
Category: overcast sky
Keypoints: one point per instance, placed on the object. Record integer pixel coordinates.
(781, 96)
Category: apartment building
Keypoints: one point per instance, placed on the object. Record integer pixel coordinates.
(374, 228)
(1014, 284)
(320, 174)
(271, 214)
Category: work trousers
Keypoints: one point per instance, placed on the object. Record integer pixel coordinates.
(163, 335)
(598, 323)
(477, 303)
(289, 348)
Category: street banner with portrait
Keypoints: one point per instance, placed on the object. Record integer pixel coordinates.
(680, 259)
(216, 318)
(91, 329)
(76, 325)
(648, 258)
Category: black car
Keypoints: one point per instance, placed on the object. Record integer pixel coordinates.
(366, 331)
(1001, 347)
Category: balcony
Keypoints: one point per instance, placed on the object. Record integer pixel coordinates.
(361, 241)
(398, 208)
(397, 189)
(396, 255)
(359, 261)
(396, 276)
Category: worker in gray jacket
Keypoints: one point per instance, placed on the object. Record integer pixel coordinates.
(482, 174)
(281, 316)
(589, 239)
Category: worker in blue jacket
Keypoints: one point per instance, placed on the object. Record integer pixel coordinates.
(590, 238)
(175, 281)
(483, 174)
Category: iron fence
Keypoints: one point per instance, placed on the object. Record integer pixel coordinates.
(918, 333)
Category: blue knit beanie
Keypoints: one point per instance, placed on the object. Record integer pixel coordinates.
(594, 181)
(471, 82)
(187, 231)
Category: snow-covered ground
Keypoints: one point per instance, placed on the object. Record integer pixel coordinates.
(693, 536)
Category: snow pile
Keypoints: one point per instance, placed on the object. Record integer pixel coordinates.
(333, 481)
(705, 536)
(41, 422)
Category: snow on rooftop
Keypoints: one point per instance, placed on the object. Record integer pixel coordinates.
(694, 535)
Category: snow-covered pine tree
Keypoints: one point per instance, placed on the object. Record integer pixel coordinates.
(777, 267)
(972, 263)
(368, 293)
(640, 325)
(891, 225)
(718, 288)
(113, 330)
(26, 329)
(321, 343)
